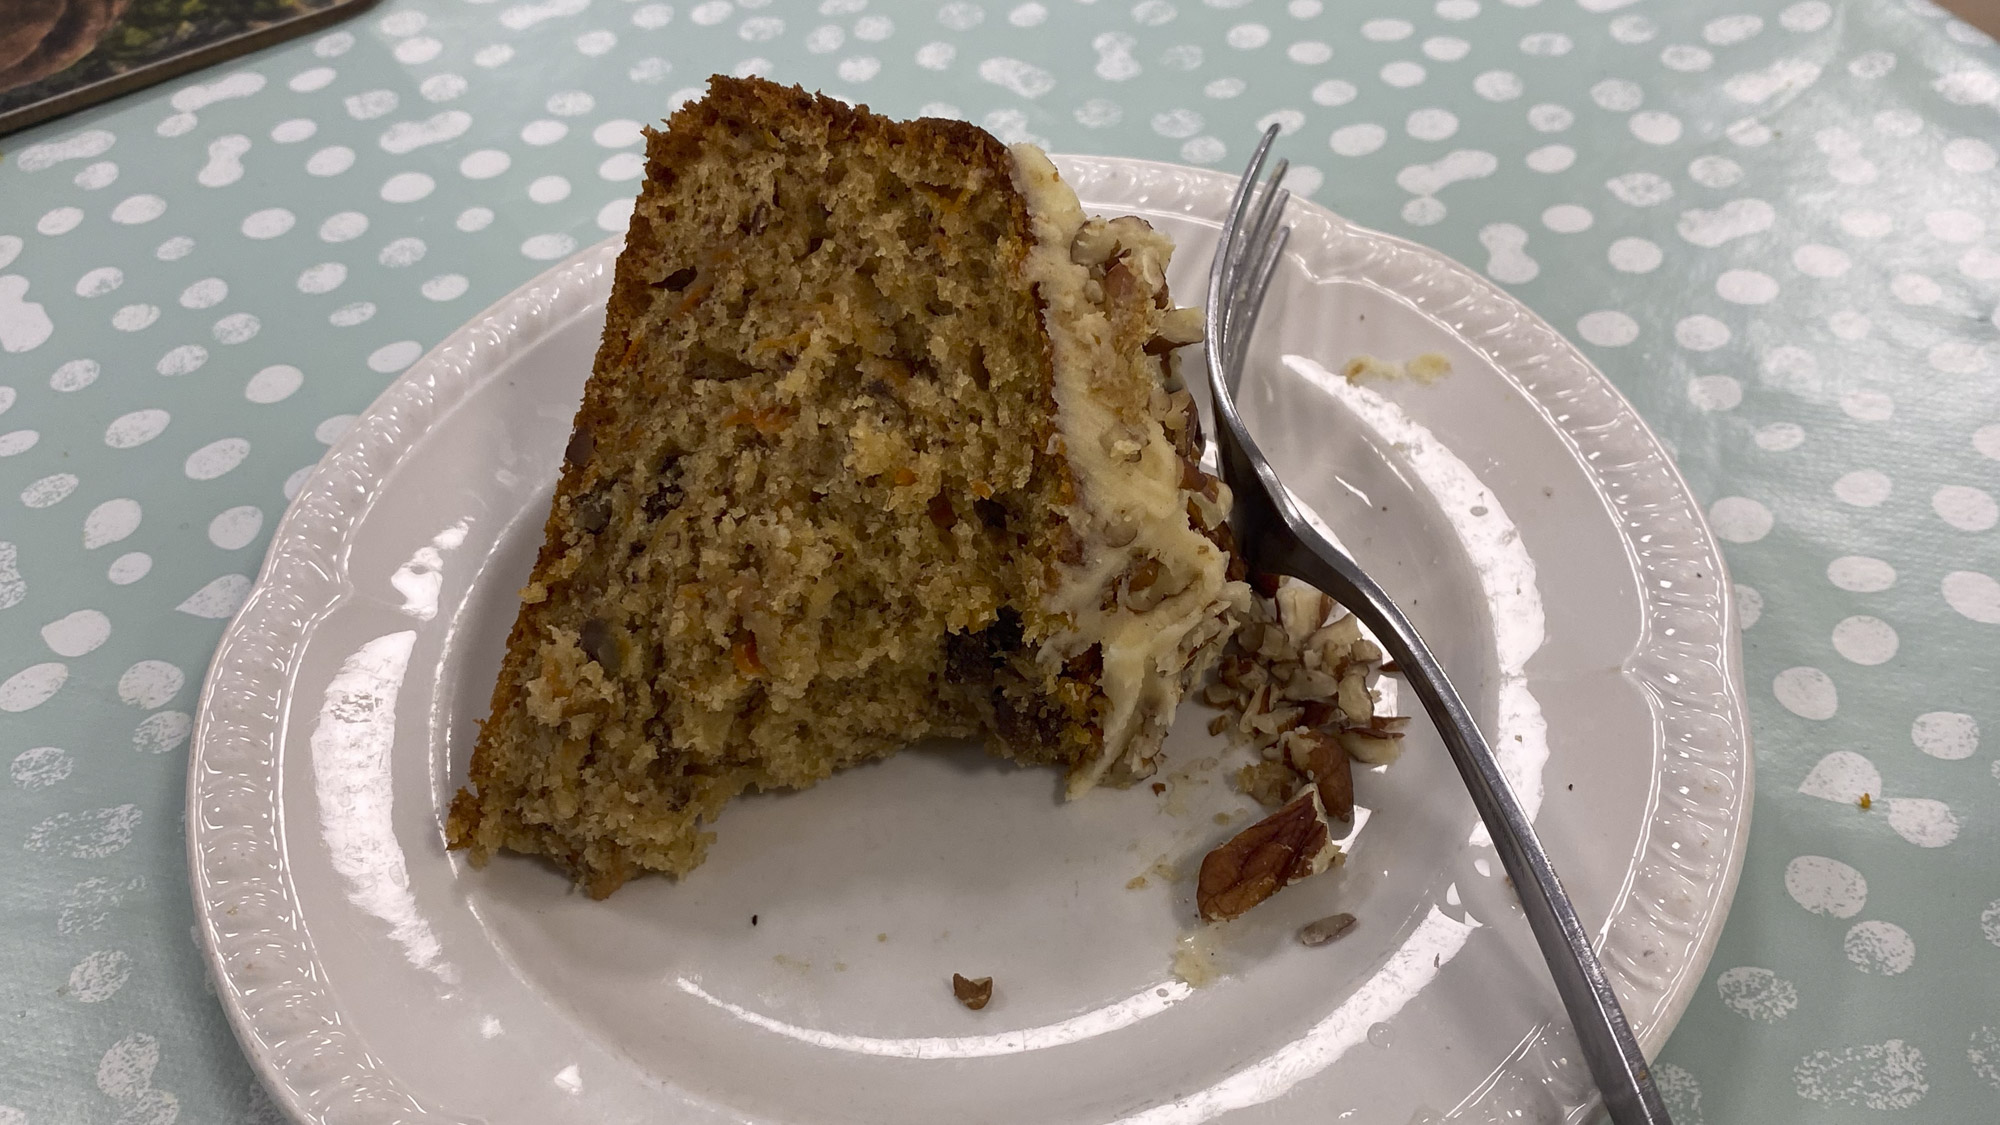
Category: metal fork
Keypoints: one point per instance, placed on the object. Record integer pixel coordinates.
(1275, 538)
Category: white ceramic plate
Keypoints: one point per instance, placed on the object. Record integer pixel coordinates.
(1519, 509)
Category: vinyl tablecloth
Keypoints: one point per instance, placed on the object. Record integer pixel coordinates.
(1773, 226)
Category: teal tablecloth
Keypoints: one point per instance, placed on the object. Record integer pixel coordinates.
(1773, 226)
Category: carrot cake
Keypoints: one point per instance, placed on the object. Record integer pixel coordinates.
(885, 440)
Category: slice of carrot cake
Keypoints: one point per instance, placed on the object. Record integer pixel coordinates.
(885, 440)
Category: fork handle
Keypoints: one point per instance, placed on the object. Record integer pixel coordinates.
(1609, 1048)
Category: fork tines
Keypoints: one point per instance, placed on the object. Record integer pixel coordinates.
(1252, 241)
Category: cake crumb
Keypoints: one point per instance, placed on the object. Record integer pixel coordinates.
(1426, 368)
(1866, 802)
(881, 937)
(973, 992)
(1136, 883)
(1195, 959)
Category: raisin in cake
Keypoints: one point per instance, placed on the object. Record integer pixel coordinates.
(885, 440)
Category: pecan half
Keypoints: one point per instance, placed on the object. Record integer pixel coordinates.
(1283, 848)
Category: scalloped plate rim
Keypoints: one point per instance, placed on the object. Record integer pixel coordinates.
(415, 389)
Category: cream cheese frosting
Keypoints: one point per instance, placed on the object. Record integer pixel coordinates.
(1151, 590)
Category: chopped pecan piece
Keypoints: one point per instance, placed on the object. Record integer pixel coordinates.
(1283, 848)
(1322, 757)
(973, 992)
(1330, 928)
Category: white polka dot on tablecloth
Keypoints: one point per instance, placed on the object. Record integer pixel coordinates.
(1547, 117)
(1431, 124)
(1861, 574)
(1714, 392)
(1508, 261)
(1972, 595)
(1958, 357)
(1633, 29)
(1863, 488)
(215, 459)
(1402, 74)
(1567, 218)
(407, 187)
(129, 568)
(1878, 947)
(442, 87)
(1843, 777)
(543, 132)
(76, 374)
(267, 223)
(183, 360)
(1686, 58)
(449, 286)
(1501, 86)
(1865, 640)
(351, 314)
(1924, 821)
(1332, 92)
(1746, 287)
(1915, 289)
(1550, 159)
(1868, 406)
(1634, 255)
(1825, 262)
(1640, 189)
(1779, 437)
(1740, 519)
(1826, 886)
(343, 226)
(1358, 140)
(273, 384)
(111, 521)
(235, 528)
(391, 358)
(136, 209)
(1546, 44)
(1248, 36)
(549, 189)
(1757, 994)
(333, 429)
(1849, 325)
(1608, 328)
(150, 684)
(1619, 95)
(1986, 441)
(1949, 735)
(1701, 333)
(474, 219)
(1807, 692)
(402, 252)
(322, 278)
(1965, 507)
(136, 428)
